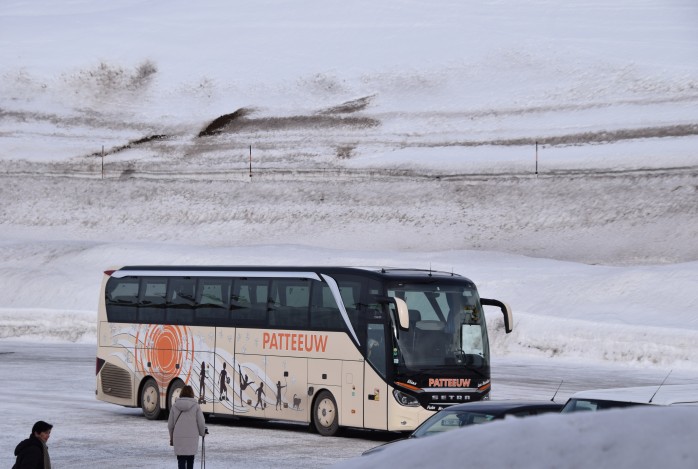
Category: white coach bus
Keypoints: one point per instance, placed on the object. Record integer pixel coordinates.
(335, 347)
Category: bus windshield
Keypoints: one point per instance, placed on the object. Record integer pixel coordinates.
(446, 329)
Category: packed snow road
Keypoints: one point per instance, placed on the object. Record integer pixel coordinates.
(55, 382)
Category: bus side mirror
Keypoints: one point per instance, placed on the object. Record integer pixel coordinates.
(506, 311)
(402, 313)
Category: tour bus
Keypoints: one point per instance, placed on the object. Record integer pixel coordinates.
(374, 348)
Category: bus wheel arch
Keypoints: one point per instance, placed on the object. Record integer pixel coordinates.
(150, 399)
(325, 416)
(173, 392)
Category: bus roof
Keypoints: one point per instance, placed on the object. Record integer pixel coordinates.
(669, 394)
(386, 272)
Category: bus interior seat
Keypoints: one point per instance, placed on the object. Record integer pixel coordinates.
(415, 316)
(430, 337)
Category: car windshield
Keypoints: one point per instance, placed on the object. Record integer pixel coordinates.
(581, 405)
(446, 327)
(449, 420)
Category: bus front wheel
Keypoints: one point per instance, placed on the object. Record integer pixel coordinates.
(150, 400)
(325, 418)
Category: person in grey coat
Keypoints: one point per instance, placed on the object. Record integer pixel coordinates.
(186, 424)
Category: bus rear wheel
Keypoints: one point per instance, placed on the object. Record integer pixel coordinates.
(175, 391)
(150, 400)
(325, 418)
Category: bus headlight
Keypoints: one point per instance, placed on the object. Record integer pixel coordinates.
(405, 399)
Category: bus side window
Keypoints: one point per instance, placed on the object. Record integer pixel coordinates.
(212, 296)
(289, 303)
(248, 301)
(122, 299)
(324, 312)
(180, 301)
(151, 303)
(351, 296)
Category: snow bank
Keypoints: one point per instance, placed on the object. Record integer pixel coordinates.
(48, 325)
(634, 438)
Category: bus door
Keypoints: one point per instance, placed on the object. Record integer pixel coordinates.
(375, 387)
(287, 388)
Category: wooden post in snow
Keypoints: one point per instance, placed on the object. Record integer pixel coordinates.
(536, 158)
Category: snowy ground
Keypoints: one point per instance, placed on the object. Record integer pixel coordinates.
(391, 133)
(55, 383)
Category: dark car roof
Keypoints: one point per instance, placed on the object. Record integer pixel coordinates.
(498, 409)
(503, 406)
(670, 394)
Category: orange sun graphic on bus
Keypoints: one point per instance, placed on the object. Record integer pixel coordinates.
(165, 352)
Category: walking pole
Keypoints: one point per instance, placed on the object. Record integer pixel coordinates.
(203, 451)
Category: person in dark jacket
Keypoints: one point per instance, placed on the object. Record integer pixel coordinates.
(32, 453)
(186, 424)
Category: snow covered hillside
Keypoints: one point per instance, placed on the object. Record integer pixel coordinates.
(365, 133)
(369, 117)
